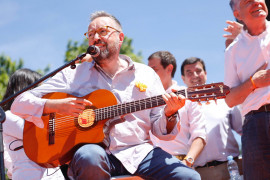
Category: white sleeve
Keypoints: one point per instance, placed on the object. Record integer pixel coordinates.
(30, 104)
(196, 122)
(13, 125)
(157, 115)
(231, 78)
(236, 119)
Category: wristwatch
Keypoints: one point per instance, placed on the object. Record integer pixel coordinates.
(172, 117)
(189, 160)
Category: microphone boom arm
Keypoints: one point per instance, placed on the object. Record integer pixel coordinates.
(71, 64)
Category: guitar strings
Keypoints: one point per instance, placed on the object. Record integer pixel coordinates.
(64, 125)
(114, 109)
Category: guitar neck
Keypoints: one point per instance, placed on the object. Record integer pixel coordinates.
(197, 93)
(130, 107)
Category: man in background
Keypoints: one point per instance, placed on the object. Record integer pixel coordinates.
(190, 141)
(220, 121)
(247, 73)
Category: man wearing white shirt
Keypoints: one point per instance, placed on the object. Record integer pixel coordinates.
(220, 120)
(128, 149)
(190, 141)
(247, 73)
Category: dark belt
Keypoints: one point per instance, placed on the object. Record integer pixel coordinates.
(214, 163)
(264, 108)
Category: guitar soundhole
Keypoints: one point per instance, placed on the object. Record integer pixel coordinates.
(85, 120)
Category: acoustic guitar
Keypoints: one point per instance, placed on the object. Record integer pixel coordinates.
(55, 144)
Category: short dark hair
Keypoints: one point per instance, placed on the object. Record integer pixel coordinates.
(19, 80)
(98, 14)
(166, 58)
(191, 60)
(234, 5)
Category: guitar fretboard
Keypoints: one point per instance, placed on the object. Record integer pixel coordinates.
(130, 107)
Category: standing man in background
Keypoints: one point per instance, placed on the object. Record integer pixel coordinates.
(190, 141)
(220, 121)
(247, 73)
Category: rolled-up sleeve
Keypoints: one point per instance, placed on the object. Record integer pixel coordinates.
(157, 115)
(159, 129)
(236, 119)
(197, 122)
(159, 125)
(231, 78)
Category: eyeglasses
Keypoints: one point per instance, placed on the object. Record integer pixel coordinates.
(103, 31)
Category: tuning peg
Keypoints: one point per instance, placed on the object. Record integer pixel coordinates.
(199, 102)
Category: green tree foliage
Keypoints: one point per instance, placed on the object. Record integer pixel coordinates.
(74, 49)
(7, 67)
(128, 50)
(45, 70)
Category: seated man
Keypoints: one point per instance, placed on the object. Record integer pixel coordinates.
(128, 149)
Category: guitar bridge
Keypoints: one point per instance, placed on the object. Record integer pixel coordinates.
(52, 128)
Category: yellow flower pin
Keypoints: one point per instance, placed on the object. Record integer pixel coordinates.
(142, 87)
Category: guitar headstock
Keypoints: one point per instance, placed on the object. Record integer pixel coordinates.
(207, 92)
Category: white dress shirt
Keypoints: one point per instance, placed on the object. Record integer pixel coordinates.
(242, 59)
(192, 126)
(129, 140)
(220, 120)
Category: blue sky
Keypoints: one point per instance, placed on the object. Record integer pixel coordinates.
(38, 31)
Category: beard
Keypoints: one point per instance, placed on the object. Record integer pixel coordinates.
(108, 52)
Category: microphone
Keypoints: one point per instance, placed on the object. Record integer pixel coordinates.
(94, 51)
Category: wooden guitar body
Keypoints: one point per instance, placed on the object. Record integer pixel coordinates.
(68, 136)
(61, 136)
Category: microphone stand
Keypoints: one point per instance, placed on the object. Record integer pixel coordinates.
(2, 112)
(2, 119)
